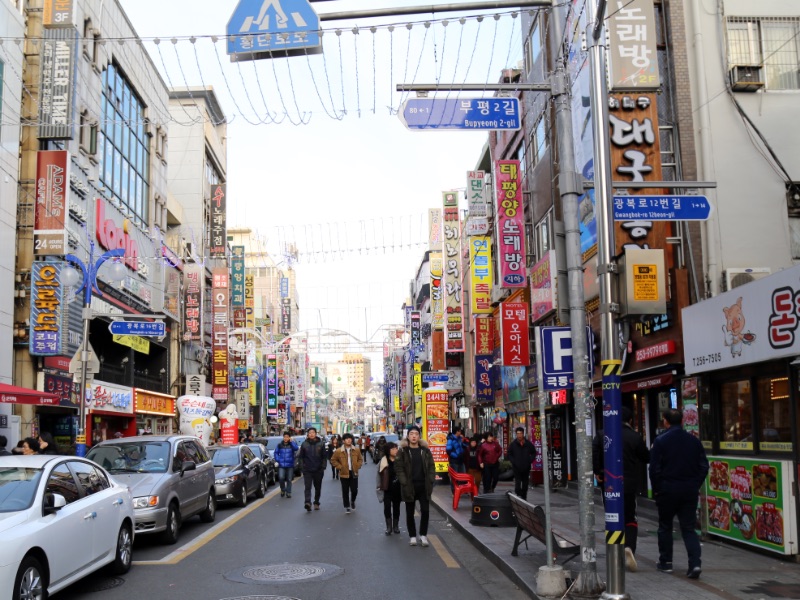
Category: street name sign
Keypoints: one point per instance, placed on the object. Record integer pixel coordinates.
(479, 114)
(661, 208)
(262, 28)
(142, 328)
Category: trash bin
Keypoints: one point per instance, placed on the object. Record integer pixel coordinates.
(492, 510)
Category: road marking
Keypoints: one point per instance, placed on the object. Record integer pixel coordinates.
(178, 555)
(446, 557)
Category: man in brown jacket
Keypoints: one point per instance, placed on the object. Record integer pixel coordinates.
(348, 461)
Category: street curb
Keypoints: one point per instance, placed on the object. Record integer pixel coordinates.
(495, 559)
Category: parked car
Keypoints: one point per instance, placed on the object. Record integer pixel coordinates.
(170, 476)
(270, 466)
(61, 518)
(239, 473)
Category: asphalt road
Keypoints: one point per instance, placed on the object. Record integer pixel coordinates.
(273, 548)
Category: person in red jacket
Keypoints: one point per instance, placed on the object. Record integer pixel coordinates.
(489, 459)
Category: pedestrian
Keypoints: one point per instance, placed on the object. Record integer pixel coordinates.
(17, 450)
(521, 453)
(30, 446)
(362, 444)
(416, 472)
(678, 468)
(332, 447)
(489, 460)
(471, 460)
(634, 456)
(390, 486)
(368, 446)
(284, 455)
(348, 461)
(455, 448)
(312, 453)
(380, 448)
(3, 444)
(47, 445)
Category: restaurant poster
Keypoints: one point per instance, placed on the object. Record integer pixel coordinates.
(435, 425)
(750, 501)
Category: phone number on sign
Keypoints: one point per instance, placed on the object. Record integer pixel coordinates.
(714, 357)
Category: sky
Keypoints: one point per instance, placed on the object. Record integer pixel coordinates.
(318, 156)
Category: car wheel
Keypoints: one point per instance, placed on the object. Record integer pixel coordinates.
(30, 583)
(122, 558)
(262, 487)
(243, 499)
(210, 513)
(170, 535)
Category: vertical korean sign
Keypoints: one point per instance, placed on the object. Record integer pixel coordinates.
(193, 302)
(515, 349)
(510, 224)
(435, 425)
(241, 383)
(219, 335)
(249, 300)
(612, 451)
(632, 57)
(454, 331)
(219, 235)
(484, 347)
(286, 315)
(476, 194)
(47, 335)
(57, 84)
(480, 260)
(437, 312)
(434, 229)
(272, 385)
(52, 193)
(58, 13)
(543, 286)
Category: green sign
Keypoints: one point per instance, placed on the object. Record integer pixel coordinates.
(749, 501)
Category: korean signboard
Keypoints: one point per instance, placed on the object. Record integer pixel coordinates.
(454, 316)
(437, 291)
(58, 13)
(193, 285)
(510, 224)
(476, 194)
(416, 332)
(249, 301)
(543, 286)
(480, 260)
(152, 403)
(47, 334)
(57, 84)
(436, 425)
(219, 335)
(284, 283)
(218, 227)
(65, 388)
(237, 278)
(751, 501)
(434, 229)
(632, 56)
(555, 451)
(515, 349)
(109, 398)
(272, 385)
(52, 200)
(196, 384)
(286, 315)
(484, 347)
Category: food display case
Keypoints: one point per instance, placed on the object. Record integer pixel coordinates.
(750, 501)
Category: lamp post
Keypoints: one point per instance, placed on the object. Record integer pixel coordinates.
(88, 285)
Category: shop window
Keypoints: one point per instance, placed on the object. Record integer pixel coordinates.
(737, 416)
(774, 416)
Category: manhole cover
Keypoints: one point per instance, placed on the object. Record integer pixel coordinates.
(262, 598)
(283, 573)
(101, 585)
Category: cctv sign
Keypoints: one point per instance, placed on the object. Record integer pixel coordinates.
(554, 357)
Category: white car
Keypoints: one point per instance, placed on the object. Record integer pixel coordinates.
(61, 517)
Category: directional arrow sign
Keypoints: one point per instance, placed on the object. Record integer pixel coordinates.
(480, 114)
(661, 208)
(259, 28)
(141, 328)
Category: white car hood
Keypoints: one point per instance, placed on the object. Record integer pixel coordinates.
(9, 520)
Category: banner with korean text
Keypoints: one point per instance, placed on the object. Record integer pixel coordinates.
(218, 226)
(52, 192)
(476, 194)
(480, 261)
(48, 333)
(454, 336)
(484, 347)
(543, 286)
(437, 291)
(514, 348)
(510, 224)
(219, 336)
(193, 285)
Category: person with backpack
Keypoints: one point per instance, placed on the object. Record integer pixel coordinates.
(456, 448)
(284, 454)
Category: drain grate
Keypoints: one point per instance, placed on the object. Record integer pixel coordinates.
(283, 573)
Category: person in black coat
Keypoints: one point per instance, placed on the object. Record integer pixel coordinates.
(521, 453)
(634, 456)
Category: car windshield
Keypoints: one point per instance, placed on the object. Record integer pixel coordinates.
(224, 457)
(132, 457)
(18, 488)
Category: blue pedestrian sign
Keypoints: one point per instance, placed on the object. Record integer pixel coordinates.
(661, 208)
(142, 328)
(479, 114)
(263, 28)
(554, 357)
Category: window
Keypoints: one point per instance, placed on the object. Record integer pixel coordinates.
(774, 414)
(534, 49)
(61, 482)
(90, 479)
(124, 146)
(543, 241)
(737, 416)
(772, 43)
(180, 457)
(520, 156)
(538, 140)
(87, 135)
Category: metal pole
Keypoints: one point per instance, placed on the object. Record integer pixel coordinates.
(473, 87)
(548, 522)
(80, 439)
(570, 187)
(434, 8)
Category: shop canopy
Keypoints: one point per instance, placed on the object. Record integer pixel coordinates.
(18, 395)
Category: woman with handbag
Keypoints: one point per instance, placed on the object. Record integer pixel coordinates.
(389, 488)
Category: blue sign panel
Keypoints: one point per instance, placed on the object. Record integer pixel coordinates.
(259, 28)
(284, 287)
(661, 208)
(554, 357)
(481, 114)
(142, 328)
(613, 488)
(435, 378)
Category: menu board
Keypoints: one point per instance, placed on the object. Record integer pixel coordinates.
(750, 501)
(436, 424)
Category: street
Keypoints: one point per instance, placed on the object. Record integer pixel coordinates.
(274, 548)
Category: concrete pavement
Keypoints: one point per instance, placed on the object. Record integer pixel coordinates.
(729, 572)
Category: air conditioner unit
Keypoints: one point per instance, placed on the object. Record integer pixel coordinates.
(747, 78)
(733, 278)
(499, 294)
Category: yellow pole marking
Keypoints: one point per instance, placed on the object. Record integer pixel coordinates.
(446, 557)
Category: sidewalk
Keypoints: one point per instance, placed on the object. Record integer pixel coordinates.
(729, 572)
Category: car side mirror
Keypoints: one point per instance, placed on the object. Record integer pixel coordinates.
(53, 503)
(187, 465)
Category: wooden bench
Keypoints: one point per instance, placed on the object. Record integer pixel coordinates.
(531, 520)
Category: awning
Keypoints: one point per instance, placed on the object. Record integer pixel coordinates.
(18, 395)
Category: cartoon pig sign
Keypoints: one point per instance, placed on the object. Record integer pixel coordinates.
(194, 416)
(734, 327)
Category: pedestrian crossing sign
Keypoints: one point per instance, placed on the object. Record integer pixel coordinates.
(266, 28)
